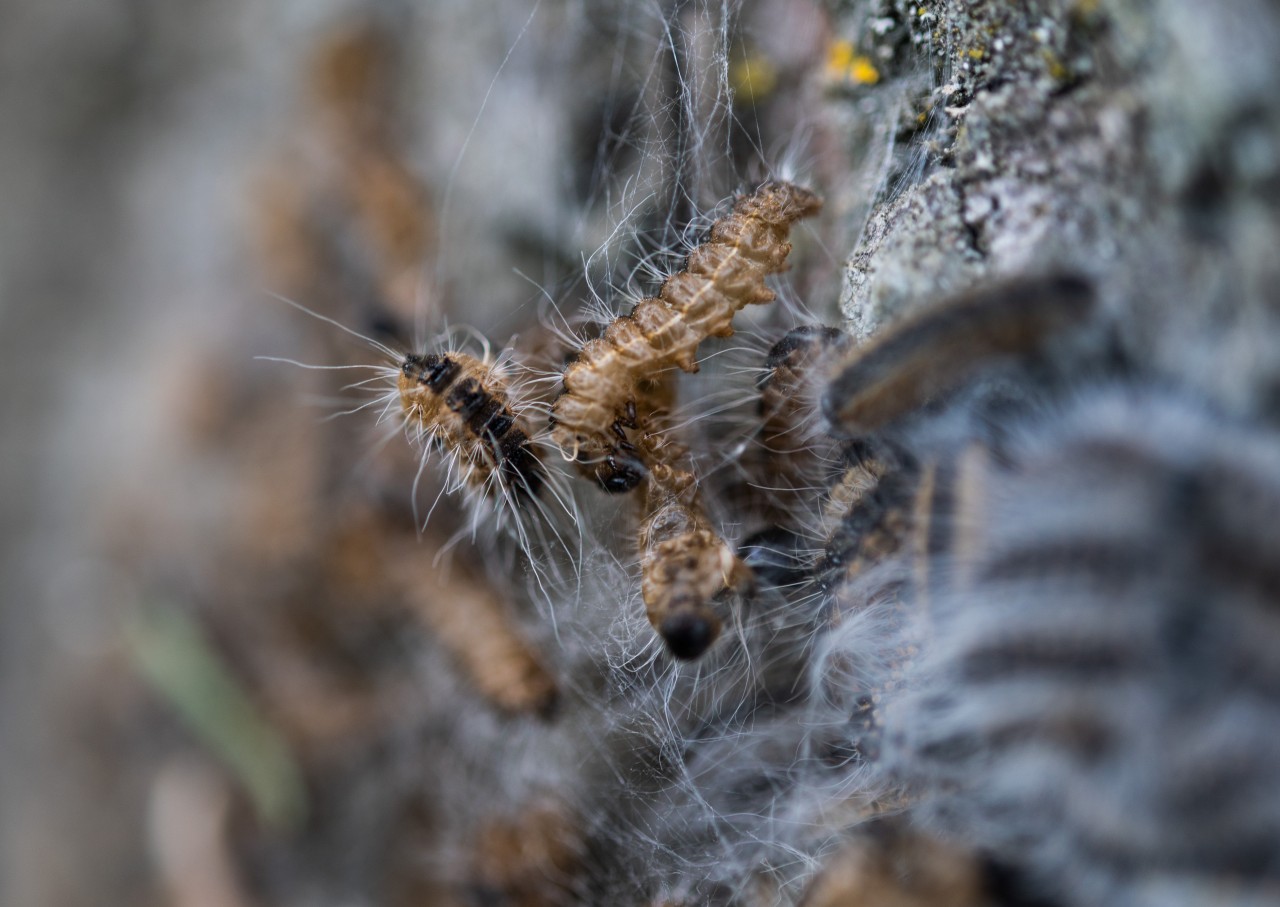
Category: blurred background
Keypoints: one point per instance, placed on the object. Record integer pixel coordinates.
(172, 505)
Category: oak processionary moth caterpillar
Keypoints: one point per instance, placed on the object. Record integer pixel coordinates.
(461, 402)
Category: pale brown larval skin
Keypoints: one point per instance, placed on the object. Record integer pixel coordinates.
(722, 276)
(684, 563)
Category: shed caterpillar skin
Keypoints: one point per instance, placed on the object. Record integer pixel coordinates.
(459, 401)
(599, 402)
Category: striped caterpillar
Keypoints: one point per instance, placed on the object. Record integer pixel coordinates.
(917, 361)
(460, 401)
(887, 494)
(601, 399)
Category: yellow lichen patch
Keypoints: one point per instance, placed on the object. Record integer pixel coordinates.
(976, 53)
(845, 64)
(864, 71)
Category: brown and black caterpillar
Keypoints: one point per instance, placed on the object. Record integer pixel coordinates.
(458, 401)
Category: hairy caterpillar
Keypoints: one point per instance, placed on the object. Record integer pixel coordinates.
(1081, 577)
(343, 217)
(891, 867)
(530, 859)
(1010, 626)
(1101, 594)
(888, 498)
(600, 401)
(461, 402)
(791, 452)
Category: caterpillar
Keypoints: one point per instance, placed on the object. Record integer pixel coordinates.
(917, 361)
(889, 498)
(532, 858)
(342, 215)
(470, 619)
(890, 865)
(601, 400)
(461, 402)
(1101, 593)
(791, 449)
(684, 564)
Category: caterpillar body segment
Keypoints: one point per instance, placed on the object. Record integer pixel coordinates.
(531, 857)
(930, 354)
(684, 563)
(471, 619)
(789, 411)
(599, 402)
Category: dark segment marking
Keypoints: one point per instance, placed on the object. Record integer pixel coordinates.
(618, 475)
(774, 556)
(436, 372)
(517, 465)
(797, 345)
(499, 424)
(467, 399)
(1110, 562)
(485, 416)
(1090, 658)
(875, 527)
(687, 635)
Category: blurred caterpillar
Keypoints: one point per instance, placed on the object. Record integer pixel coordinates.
(600, 400)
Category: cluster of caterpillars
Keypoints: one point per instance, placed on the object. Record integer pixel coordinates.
(608, 419)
